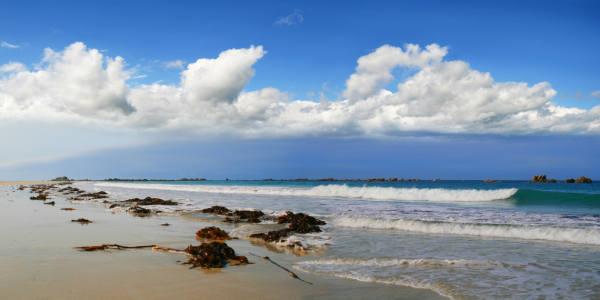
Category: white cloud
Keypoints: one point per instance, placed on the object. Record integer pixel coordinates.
(595, 94)
(12, 67)
(7, 45)
(219, 80)
(293, 19)
(374, 70)
(80, 86)
(72, 81)
(177, 64)
(139, 76)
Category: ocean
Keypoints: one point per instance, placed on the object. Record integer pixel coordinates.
(462, 239)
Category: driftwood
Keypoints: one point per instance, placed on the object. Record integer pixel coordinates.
(110, 246)
(67, 208)
(281, 267)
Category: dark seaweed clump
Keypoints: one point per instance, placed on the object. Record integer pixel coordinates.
(300, 223)
(212, 255)
(152, 201)
(213, 233)
(219, 210)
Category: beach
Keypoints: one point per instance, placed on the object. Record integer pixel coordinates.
(38, 260)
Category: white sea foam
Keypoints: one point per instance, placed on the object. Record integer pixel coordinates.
(339, 191)
(386, 262)
(550, 233)
(328, 267)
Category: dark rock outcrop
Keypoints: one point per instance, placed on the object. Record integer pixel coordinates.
(570, 180)
(542, 178)
(583, 180)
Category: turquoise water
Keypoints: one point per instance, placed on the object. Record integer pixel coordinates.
(463, 239)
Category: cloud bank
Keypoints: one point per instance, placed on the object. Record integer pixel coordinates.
(82, 86)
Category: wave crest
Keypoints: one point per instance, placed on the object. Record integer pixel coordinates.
(589, 236)
(339, 191)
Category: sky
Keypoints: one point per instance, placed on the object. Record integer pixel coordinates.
(289, 89)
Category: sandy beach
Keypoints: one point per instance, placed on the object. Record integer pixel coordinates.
(38, 261)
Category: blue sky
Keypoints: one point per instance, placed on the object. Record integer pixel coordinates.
(308, 48)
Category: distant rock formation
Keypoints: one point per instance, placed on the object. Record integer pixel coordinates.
(542, 178)
(490, 181)
(570, 180)
(583, 180)
(65, 178)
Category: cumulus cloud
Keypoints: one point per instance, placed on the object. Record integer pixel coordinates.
(374, 70)
(595, 94)
(293, 19)
(76, 80)
(7, 45)
(80, 85)
(220, 80)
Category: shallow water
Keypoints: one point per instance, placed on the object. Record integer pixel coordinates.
(462, 239)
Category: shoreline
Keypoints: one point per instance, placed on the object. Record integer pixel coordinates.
(39, 261)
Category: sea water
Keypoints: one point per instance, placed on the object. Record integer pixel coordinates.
(462, 239)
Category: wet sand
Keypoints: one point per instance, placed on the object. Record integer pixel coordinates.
(38, 261)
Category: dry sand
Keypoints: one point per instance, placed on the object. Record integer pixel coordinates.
(37, 260)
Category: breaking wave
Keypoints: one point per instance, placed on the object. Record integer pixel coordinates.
(339, 191)
(589, 236)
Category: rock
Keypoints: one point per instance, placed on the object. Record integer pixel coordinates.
(542, 178)
(490, 181)
(375, 180)
(583, 180)
(63, 178)
(570, 180)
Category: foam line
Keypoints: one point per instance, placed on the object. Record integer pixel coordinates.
(339, 191)
(589, 236)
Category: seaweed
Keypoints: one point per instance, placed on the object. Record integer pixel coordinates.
(98, 195)
(110, 246)
(40, 196)
(213, 233)
(152, 201)
(212, 255)
(82, 221)
(219, 210)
